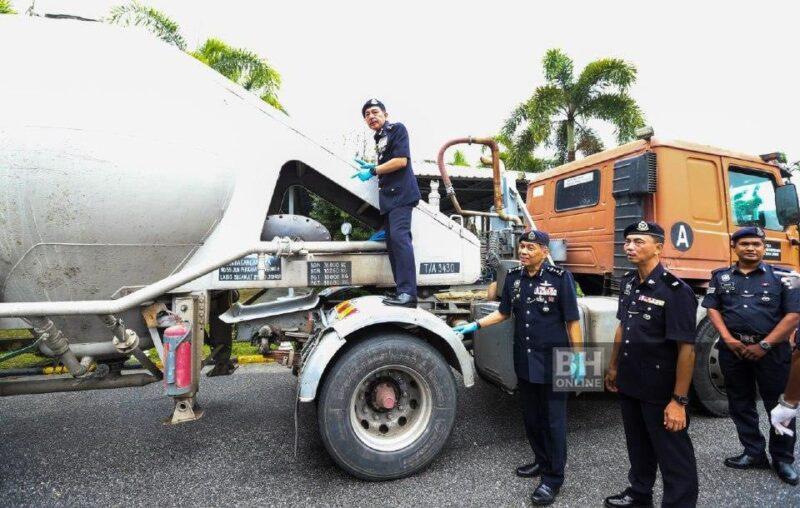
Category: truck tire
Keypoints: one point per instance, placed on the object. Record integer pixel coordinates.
(708, 383)
(365, 438)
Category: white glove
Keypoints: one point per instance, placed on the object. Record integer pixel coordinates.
(780, 417)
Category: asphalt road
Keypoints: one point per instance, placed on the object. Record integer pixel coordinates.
(110, 448)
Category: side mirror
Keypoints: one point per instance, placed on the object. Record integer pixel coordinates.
(786, 205)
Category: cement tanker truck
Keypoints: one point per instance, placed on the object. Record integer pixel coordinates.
(136, 184)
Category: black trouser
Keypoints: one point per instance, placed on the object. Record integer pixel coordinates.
(651, 446)
(397, 224)
(770, 374)
(544, 413)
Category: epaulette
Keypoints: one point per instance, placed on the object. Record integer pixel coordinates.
(557, 270)
(671, 280)
(714, 272)
(515, 269)
(389, 126)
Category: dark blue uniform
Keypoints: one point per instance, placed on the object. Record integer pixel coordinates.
(541, 305)
(656, 315)
(398, 194)
(751, 306)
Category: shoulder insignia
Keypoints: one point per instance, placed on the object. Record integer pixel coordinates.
(671, 280)
(515, 269)
(714, 272)
(557, 270)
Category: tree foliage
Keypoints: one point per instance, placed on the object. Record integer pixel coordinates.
(155, 21)
(240, 65)
(244, 67)
(6, 7)
(556, 116)
(459, 159)
(332, 218)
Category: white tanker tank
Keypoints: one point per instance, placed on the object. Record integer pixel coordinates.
(124, 161)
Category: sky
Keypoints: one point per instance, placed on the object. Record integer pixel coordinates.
(718, 73)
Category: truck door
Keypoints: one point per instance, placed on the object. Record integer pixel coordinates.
(751, 201)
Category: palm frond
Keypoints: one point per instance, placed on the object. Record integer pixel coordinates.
(541, 107)
(597, 76)
(155, 21)
(558, 68)
(588, 142)
(619, 109)
(6, 7)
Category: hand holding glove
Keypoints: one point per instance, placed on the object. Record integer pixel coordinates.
(366, 170)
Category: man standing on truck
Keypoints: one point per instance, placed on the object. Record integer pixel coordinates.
(651, 369)
(543, 300)
(398, 194)
(754, 313)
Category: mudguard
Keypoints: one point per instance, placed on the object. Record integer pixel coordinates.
(359, 313)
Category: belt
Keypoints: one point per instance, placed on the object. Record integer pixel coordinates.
(748, 338)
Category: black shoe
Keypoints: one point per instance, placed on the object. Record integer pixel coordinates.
(401, 300)
(529, 470)
(745, 461)
(544, 495)
(786, 472)
(627, 499)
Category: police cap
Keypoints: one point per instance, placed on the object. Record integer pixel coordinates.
(645, 228)
(748, 232)
(539, 237)
(370, 103)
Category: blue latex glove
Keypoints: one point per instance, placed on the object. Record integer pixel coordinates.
(363, 175)
(379, 236)
(578, 367)
(465, 329)
(364, 164)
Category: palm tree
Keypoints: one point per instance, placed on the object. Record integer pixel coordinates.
(239, 65)
(6, 7)
(243, 67)
(459, 159)
(557, 113)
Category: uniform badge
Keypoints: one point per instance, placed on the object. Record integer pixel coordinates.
(759, 231)
(765, 298)
(646, 316)
(654, 301)
(628, 288)
(642, 226)
(725, 277)
(545, 309)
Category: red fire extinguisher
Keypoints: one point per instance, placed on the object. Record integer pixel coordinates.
(178, 354)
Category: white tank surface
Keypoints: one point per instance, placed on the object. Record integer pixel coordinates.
(124, 160)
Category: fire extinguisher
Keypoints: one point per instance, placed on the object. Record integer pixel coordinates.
(178, 354)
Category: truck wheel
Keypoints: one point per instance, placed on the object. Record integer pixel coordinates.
(387, 407)
(708, 383)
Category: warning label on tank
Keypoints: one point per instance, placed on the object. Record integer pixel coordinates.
(773, 250)
(330, 273)
(441, 267)
(246, 268)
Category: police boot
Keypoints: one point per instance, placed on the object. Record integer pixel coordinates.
(401, 300)
(529, 470)
(544, 495)
(628, 499)
(745, 461)
(786, 472)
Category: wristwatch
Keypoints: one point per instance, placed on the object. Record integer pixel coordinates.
(680, 399)
(766, 346)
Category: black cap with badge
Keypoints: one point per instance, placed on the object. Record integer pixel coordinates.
(645, 228)
(539, 237)
(748, 232)
(370, 103)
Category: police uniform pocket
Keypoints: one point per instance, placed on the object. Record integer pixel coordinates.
(659, 377)
(766, 298)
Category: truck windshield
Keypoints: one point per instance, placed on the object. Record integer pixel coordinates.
(753, 200)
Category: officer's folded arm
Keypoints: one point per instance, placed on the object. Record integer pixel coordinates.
(391, 165)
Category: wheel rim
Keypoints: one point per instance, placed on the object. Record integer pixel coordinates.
(392, 429)
(713, 369)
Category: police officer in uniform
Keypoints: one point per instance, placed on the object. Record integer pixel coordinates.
(398, 194)
(754, 313)
(651, 369)
(543, 301)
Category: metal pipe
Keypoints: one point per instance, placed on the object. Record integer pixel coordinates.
(54, 340)
(62, 384)
(496, 182)
(280, 246)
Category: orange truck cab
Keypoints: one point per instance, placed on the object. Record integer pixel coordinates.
(698, 194)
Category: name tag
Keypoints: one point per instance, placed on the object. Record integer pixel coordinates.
(654, 301)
